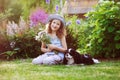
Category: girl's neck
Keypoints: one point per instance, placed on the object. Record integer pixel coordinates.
(53, 35)
(53, 32)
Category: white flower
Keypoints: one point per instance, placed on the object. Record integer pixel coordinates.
(43, 37)
(12, 44)
(37, 38)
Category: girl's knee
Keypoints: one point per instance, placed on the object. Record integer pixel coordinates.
(48, 61)
(52, 60)
(36, 61)
(39, 59)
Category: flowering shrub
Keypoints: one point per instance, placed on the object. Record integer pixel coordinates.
(38, 16)
(77, 33)
(26, 45)
(21, 41)
(73, 32)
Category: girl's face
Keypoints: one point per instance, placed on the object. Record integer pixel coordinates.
(55, 25)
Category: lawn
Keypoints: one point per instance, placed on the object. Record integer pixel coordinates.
(25, 70)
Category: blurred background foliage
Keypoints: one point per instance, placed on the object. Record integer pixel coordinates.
(25, 44)
(104, 21)
(25, 7)
(97, 34)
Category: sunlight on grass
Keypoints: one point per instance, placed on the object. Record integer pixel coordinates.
(25, 70)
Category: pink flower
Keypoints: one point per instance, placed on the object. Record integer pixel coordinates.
(38, 16)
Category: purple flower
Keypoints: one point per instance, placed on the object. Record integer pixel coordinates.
(77, 21)
(38, 16)
(57, 8)
(68, 23)
(47, 1)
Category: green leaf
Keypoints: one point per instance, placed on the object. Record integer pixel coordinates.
(117, 38)
(100, 40)
(117, 46)
(111, 29)
(17, 49)
(118, 31)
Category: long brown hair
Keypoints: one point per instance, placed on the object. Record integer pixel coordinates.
(61, 31)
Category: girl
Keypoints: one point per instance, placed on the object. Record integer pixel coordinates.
(57, 33)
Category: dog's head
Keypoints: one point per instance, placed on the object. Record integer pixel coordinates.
(72, 56)
(69, 56)
(69, 53)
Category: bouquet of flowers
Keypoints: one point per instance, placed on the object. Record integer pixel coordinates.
(44, 37)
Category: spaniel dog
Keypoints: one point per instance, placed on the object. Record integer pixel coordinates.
(73, 57)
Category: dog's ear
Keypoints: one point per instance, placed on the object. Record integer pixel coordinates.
(71, 50)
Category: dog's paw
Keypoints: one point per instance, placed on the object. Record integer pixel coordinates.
(96, 61)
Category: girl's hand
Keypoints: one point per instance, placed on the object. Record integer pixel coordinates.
(49, 50)
(52, 47)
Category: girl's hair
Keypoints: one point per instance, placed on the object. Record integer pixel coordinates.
(61, 31)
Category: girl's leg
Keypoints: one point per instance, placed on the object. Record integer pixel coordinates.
(39, 59)
(53, 59)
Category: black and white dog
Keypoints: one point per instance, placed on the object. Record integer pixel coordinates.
(73, 57)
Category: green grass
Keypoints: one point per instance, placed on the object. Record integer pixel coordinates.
(25, 70)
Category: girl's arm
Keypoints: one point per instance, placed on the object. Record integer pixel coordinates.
(64, 46)
(44, 48)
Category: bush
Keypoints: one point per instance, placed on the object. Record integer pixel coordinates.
(26, 45)
(72, 40)
(105, 35)
(21, 41)
(78, 31)
(3, 37)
